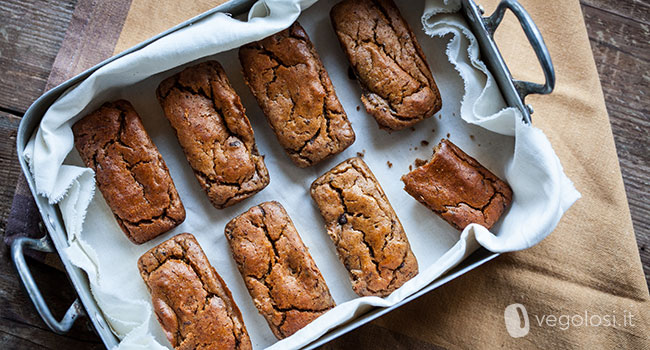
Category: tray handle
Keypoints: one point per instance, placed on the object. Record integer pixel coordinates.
(74, 311)
(524, 88)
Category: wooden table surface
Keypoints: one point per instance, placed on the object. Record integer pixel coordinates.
(31, 32)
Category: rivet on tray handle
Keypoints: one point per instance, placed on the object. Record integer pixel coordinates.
(43, 245)
(525, 88)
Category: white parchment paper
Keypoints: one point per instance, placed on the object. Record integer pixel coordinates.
(541, 190)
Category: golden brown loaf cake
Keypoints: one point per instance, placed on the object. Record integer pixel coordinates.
(398, 88)
(212, 127)
(369, 237)
(192, 303)
(282, 278)
(458, 188)
(292, 87)
(129, 171)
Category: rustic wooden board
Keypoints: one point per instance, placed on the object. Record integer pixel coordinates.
(31, 32)
(619, 32)
(9, 167)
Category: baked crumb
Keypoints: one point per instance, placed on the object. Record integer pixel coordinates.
(448, 135)
(390, 165)
(358, 108)
(424, 143)
(420, 162)
(471, 137)
(361, 154)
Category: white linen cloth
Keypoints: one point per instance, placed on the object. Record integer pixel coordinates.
(542, 192)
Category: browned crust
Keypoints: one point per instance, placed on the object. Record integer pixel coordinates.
(458, 188)
(398, 88)
(292, 87)
(369, 237)
(192, 302)
(217, 138)
(282, 278)
(129, 170)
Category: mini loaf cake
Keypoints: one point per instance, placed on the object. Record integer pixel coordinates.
(369, 237)
(192, 303)
(129, 170)
(398, 88)
(282, 278)
(211, 125)
(458, 188)
(292, 87)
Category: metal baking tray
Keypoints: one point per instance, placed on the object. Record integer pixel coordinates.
(514, 92)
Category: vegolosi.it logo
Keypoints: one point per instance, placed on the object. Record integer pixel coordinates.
(518, 321)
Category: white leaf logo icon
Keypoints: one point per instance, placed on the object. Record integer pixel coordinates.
(517, 322)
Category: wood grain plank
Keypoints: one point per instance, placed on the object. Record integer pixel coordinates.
(621, 48)
(631, 10)
(31, 33)
(9, 167)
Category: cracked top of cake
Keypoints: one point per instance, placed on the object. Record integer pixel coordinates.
(369, 238)
(282, 278)
(292, 87)
(129, 171)
(398, 88)
(191, 301)
(211, 125)
(458, 188)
